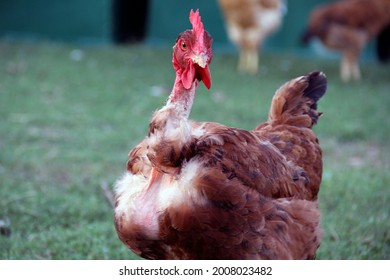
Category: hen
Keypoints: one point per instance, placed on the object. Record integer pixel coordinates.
(347, 26)
(197, 190)
(248, 23)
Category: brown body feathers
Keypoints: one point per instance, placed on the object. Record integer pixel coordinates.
(207, 191)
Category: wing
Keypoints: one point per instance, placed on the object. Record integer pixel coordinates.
(246, 206)
(231, 154)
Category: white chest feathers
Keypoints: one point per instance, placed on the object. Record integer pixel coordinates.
(141, 200)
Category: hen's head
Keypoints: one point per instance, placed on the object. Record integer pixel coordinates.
(192, 53)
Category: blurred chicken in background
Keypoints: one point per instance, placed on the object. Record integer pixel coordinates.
(248, 23)
(347, 26)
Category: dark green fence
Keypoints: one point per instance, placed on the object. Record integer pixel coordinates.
(97, 20)
(70, 20)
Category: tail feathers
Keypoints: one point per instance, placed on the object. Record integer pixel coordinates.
(315, 90)
(295, 103)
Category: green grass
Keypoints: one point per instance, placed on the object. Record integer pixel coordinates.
(66, 126)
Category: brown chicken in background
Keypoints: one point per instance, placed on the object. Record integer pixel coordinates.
(347, 26)
(248, 24)
(203, 190)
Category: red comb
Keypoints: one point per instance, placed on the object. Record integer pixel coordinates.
(197, 25)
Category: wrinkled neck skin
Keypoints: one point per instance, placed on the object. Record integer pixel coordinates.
(170, 129)
(181, 98)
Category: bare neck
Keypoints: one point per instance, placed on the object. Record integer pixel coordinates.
(182, 98)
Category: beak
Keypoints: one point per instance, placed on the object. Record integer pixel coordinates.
(202, 71)
(200, 59)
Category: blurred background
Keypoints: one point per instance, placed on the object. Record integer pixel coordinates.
(80, 79)
(152, 21)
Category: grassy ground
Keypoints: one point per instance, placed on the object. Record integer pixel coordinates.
(68, 118)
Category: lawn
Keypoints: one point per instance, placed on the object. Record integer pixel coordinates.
(69, 115)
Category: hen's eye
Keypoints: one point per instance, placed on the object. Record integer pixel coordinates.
(183, 45)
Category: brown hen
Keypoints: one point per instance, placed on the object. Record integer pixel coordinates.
(248, 24)
(207, 191)
(347, 26)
